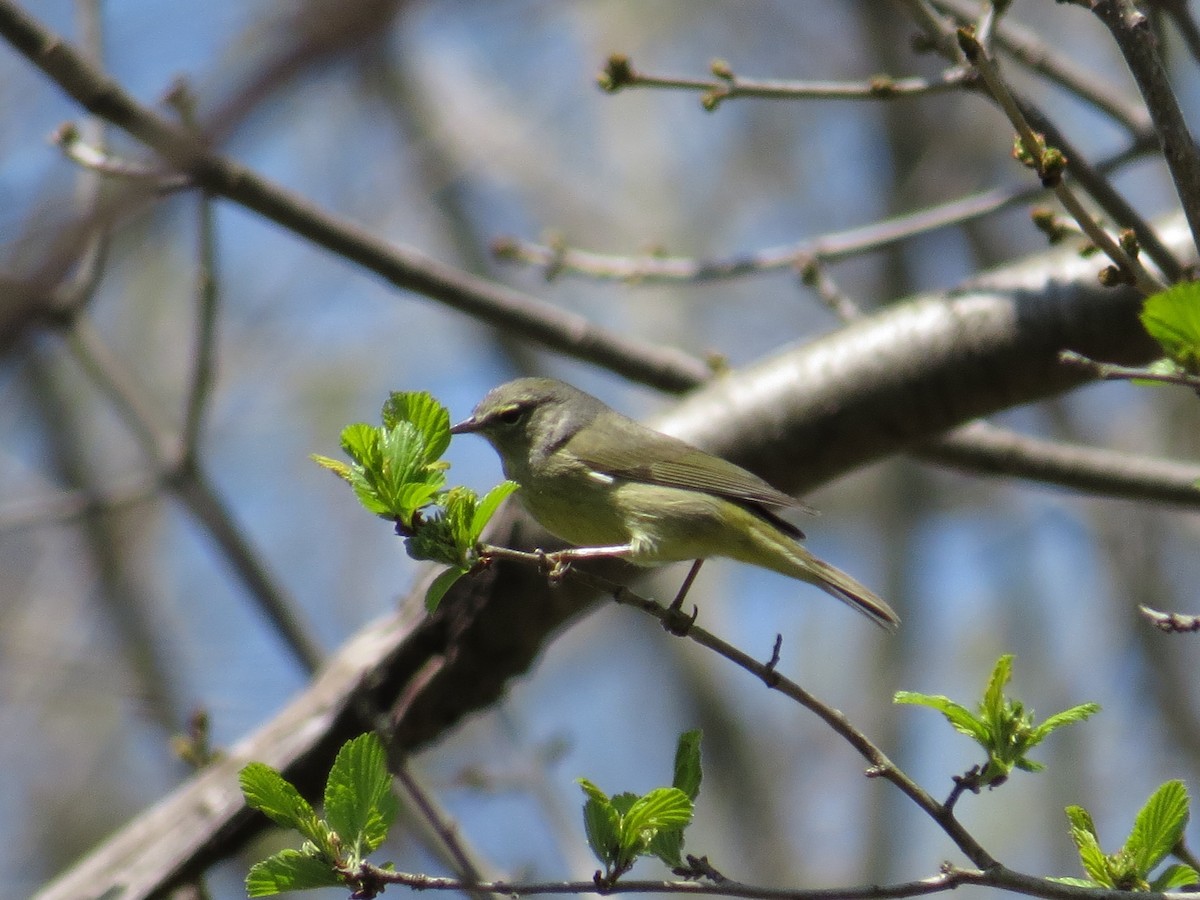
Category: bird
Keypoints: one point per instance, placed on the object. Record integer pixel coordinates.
(612, 487)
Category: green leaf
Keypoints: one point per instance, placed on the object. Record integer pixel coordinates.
(1066, 717)
(1176, 876)
(687, 764)
(667, 845)
(437, 590)
(289, 870)
(488, 505)
(993, 706)
(961, 718)
(667, 807)
(360, 442)
(337, 467)
(1092, 858)
(277, 798)
(359, 804)
(601, 823)
(1158, 827)
(432, 420)
(1172, 318)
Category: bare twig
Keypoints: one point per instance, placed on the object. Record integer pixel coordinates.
(1172, 623)
(1028, 49)
(1110, 372)
(619, 74)
(648, 363)
(1050, 164)
(1131, 32)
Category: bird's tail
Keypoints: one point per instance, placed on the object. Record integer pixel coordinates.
(837, 583)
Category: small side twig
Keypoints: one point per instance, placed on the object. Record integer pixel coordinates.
(1112, 372)
(1171, 623)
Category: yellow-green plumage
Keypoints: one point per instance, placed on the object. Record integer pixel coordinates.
(598, 479)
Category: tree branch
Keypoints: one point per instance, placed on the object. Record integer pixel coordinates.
(662, 367)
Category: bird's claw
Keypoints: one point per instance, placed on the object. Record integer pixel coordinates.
(556, 565)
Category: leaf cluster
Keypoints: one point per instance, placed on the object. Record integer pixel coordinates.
(359, 810)
(1000, 725)
(1172, 317)
(1157, 830)
(626, 826)
(397, 472)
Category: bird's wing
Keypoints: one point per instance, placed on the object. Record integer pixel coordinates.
(678, 464)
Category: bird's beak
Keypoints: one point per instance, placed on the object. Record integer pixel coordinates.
(466, 426)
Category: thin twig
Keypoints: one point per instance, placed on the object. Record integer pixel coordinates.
(1050, 165)
(652, 364)
(1111, 372)
(676, 622)
(619, 74)
(1026, 48)
(557, 258)
(1131, 32)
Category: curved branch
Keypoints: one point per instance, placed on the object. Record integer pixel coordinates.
(663, 367)
(982, 448)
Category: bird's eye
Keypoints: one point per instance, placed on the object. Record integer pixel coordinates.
(512, 415)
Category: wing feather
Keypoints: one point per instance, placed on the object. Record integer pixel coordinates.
(679, 464)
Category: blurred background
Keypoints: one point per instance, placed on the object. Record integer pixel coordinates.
(444, 126)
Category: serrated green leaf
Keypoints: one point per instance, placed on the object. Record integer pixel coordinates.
(1176, 876)
(1158, 826)
(488, 505)
(337, 467)
(992, 707)
(359, 803)
(1172, 317)
(666, 807)
(1066, 717)
(961, 718)
(360, 442)
(667, 845)
(431, 419)
(592, 791)
(601, 823)
(623, 802)
(1091, 856)
(289, 870)
(688, 773)
(277, 798)
(437, 589)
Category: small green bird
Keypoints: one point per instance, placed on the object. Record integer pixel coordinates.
(615, 488)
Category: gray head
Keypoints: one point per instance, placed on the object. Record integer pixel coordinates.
(530, 417)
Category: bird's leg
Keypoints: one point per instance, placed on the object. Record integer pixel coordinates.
(675, 621)
(677, 603)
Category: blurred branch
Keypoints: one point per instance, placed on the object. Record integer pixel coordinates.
(980, 448)
(619, 74)
(1029, 50)
(556, 258)
(1109, 372)
(1025, 114)
(182, 474)
(207, 299)
(1131, 32)
(1050, 164)
(652, 364)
